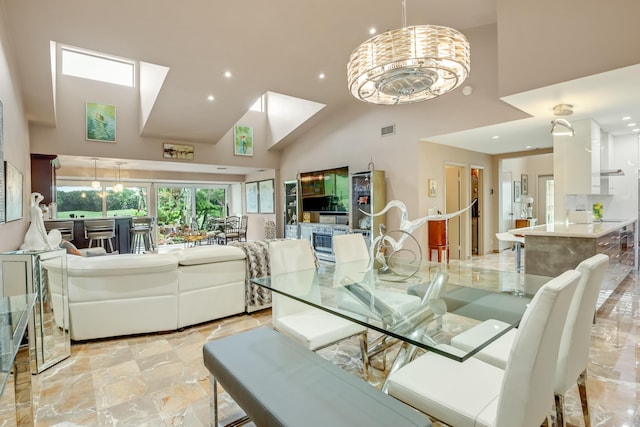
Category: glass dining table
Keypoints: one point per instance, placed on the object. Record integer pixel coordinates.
(423, 305)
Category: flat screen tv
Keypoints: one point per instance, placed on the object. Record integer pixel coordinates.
(325, 190)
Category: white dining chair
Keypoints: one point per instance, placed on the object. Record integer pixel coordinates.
(312, 327)
(475, 393)
(573, 355)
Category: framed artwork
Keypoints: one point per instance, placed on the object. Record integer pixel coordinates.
(177, 151)
(251, 194)
(242, 140)
(517, 192)
(266, 196)
(2, 213)
(100, 122)
(13, 206)
(524, 178)
(433, 188)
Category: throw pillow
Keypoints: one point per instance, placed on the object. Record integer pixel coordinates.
(70, 247)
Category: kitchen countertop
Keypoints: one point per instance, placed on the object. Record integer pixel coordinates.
(595, 230)
(88, 218)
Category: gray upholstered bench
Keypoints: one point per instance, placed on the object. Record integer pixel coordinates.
(277, 382)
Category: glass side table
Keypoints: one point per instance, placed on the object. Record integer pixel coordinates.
(15, 312)
(43, 273)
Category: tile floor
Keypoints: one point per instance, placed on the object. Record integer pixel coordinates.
(159, 379)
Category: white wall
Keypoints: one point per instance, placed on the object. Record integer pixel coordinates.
(68, 136)
(15, 137)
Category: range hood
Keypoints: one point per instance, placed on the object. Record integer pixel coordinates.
(611, 172)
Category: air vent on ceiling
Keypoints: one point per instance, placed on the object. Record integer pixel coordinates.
(388, 130)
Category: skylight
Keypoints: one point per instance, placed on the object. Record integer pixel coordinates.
(97, 67)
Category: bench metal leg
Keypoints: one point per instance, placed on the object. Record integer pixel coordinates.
(364, 349)
(213, 408)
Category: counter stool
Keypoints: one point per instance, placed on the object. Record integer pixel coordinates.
(518, 241)
(141, 234)
(65, 228)
(100, 230)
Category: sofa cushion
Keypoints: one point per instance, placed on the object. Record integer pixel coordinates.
(208, 254)
(118, 265)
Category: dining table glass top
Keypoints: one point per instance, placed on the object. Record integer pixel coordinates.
(425, 304)
(14, 317)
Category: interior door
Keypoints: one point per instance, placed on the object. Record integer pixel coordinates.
(506, 201)
(543, 206)
(453, 203)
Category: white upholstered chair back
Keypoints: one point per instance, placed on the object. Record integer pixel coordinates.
(288, 256)
(529, 376)
(350, 248)
(574, 348)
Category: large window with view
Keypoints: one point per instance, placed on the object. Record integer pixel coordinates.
(82, 201)
(187, 211)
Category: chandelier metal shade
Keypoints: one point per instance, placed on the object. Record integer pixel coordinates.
(409, 64)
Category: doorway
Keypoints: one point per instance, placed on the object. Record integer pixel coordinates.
(545, 204)
(457, 229)
(506, 205)
(476, 223)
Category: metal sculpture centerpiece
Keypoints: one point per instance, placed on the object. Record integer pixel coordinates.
(389, 247)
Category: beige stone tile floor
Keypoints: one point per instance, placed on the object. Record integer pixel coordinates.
(159, 379)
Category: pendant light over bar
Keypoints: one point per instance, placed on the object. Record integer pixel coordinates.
(95, 184)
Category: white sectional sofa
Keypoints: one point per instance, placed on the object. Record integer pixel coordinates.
(131, 294)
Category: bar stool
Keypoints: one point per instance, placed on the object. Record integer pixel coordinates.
(518, 241)
(100, 230)
(141, 234)
(65, 228)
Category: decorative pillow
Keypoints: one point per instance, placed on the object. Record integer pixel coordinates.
(70, 247)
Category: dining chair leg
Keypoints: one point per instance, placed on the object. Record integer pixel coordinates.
(364, 349)
(546, 423)
(559, 410)
(582, 389)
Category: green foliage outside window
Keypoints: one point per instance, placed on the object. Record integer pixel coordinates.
(175, 205)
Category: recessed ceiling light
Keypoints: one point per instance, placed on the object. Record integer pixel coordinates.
(636, 130)
(626, 118)
(632, 124)
(372, 30)
(529, 147)
(210, 98)
(321, 76)
(227, 74)
(495, 137)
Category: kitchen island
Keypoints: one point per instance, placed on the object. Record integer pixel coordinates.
(551, 249)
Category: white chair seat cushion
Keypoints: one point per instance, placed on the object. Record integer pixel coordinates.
(496, 352)
(316, 328)
(433, 384)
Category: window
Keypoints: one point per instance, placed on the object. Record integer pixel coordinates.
(78, 201)
(98, 67)
(185, 208)
(131, 201)
(83, 201)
